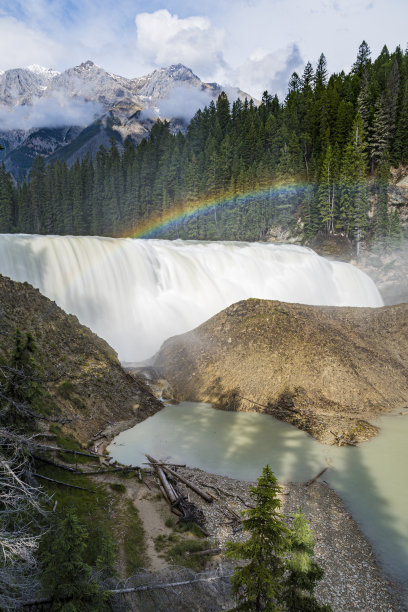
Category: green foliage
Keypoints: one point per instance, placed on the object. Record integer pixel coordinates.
(303, 573)
(279, 572)
(67, 441)
(264, 165)
(66, 389)
(134, 545)
(66, 577)
(177, 550)
(118, 487)
(92, 506)
(179, 554)
(257, 585)
(24, 388)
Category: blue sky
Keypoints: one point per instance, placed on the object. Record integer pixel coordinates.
(253, 44)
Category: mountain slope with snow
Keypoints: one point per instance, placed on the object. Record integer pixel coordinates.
(43, 111)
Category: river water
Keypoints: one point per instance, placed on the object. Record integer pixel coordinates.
(371, 478)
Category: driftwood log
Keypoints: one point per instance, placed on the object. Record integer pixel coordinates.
(266, 407)
(316, 477)
(178, 502)
(206, 496)
(172, 496)
(164, 463)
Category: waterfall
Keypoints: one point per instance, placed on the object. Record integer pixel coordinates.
(137, 293)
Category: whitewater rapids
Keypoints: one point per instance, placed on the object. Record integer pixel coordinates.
(137, 293)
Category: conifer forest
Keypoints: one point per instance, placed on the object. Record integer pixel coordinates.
(318, 162)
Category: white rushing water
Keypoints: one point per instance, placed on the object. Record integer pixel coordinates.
(137, 293)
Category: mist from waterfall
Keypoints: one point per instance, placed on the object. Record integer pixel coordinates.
(137, 293)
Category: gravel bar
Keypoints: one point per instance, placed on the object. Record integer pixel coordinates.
(353, 580)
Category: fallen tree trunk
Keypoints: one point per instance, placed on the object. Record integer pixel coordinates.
(66, 450)
(111, 471)
(143, 587)
(169, 585)
(202, 553)
(316, 477)
(208, 498)
(266, 407)
(163, 463)
(171, 494)
(30, 442)
(65, 484)
(58, 465)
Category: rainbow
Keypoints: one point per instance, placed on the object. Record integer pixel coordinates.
(189, 210)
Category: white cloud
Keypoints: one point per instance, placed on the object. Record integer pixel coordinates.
(164, 39)
(53, 111)
(25, 45)
(271, 71)
(218, 39)
(183, 102)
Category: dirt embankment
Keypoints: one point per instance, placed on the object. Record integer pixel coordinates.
(81, 371)
(327, 370)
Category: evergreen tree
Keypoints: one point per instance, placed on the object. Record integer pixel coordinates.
(7, 201)
(381, 222)
(66, 577)
(321, 73)
(38, 192)
(327, 190)
(396, 235)
(353, 213)
(24, 389)
(401, 136)
(234, 149)
(258, 584)
(303, 573)
(363, 59)
(380, 133)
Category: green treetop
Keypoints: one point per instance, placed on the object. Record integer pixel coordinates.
(258, 584)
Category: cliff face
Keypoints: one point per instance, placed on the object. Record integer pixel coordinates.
(324, 369)
(81, 371)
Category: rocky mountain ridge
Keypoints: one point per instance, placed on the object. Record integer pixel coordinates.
(120, 108)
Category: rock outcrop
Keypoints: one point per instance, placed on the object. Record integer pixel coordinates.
(80, 370)
(324, 369)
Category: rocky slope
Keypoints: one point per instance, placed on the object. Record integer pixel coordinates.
(81, 371)
(326, 370)
(117, 101)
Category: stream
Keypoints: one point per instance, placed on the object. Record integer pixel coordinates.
(370, 478)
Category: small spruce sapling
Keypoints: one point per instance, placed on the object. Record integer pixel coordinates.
(303, 573)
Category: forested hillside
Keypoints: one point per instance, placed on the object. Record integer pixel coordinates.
(318, 162)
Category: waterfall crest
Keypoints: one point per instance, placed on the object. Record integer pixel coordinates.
(137, 293)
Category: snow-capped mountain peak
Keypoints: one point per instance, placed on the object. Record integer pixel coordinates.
(41, 70)
(43, 110)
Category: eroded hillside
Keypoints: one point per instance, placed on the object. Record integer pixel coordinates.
(80, 370)
(325, 369)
